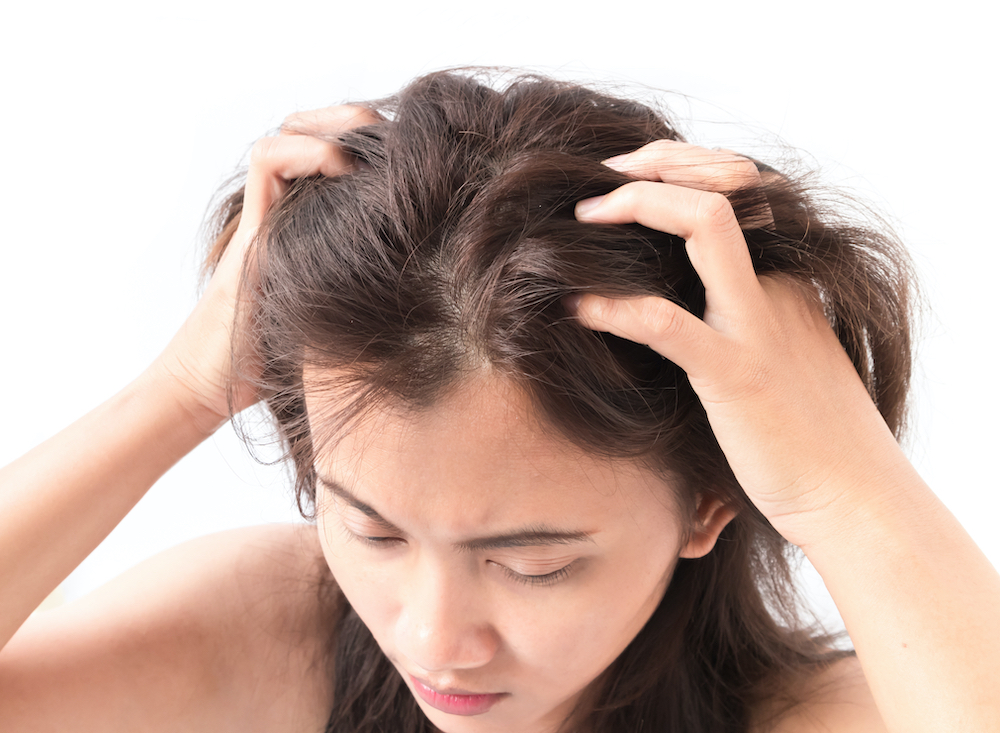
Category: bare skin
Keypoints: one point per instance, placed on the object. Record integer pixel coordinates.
(229, 633)
(237, 643)
(180, 644)
(814, 455)
(61, 499)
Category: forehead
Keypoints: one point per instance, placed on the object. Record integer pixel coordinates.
(479, 457)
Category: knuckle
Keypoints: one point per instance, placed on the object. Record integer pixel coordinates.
(263, 149)
(633, 193)
(622, 198)
(746, 172)
(292, 123)
(660, 317)
(714, 212)
(626, 196)
(328, 121)
(360, 115)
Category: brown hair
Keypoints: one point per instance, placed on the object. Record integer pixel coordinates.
(454, 247)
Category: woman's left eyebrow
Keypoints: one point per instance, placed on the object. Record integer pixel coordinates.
(531, 537)
(538, 536)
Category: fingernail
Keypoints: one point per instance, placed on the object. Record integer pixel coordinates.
(617, 162)
(588, 205)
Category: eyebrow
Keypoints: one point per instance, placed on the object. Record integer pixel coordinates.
(534, 536)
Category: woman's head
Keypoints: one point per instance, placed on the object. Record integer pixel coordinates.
(437, 274)
(481, 549)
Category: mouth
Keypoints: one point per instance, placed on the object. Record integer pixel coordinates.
(454, 701)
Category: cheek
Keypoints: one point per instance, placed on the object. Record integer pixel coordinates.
(567, 643)
(370, 594)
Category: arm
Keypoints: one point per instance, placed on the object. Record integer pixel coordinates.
(185, 641)
(813, 453)
(919, 600)
(61, 499)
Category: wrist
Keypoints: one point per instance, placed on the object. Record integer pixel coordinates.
(855, 501)
(170, 386)
(877, 529)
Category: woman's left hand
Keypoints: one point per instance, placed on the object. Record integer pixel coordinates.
(784, 400)
(812, 452)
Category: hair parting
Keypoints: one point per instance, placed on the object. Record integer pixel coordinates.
(452, 249)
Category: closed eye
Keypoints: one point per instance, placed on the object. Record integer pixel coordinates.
(380, 541)
(372, 540)
(537, 580)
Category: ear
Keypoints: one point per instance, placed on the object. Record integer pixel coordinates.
(712, 518)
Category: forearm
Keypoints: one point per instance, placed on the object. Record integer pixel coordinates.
(60, 500)
(920, 601)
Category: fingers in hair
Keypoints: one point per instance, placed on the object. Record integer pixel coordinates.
(329, 122)
(692, 166)
(704, 219)
(663, 326)
(683, 164)
(276, 160)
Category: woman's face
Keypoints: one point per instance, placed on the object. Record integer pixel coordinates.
(499, 568)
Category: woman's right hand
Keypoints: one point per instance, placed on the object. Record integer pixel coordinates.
(61, 499)
(199, 359)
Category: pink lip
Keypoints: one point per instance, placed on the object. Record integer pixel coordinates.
(455, 702)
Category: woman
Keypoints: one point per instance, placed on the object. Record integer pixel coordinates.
(559, 388)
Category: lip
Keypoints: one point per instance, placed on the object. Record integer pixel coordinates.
(455, 701)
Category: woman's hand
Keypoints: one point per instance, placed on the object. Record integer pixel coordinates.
(784, 400)
(200, 357)
(60, 500)
(811, 450)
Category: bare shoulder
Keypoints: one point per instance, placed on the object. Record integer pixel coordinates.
(187, 640)
(836, 699)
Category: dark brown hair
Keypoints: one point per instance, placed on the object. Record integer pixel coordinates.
(452, 248)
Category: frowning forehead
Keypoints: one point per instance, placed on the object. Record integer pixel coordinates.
(538, 535)
(479, 469)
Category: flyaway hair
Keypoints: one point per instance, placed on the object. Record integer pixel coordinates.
(452, 249)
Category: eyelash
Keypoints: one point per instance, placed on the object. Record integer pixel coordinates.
(537, 580)
(546, 579)
(379, 542)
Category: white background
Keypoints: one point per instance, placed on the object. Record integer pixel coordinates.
(119, 120)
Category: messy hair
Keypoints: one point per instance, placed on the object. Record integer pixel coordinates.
(452, 248)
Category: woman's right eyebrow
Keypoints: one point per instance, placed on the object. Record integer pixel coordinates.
(533, 536)
(341, 492)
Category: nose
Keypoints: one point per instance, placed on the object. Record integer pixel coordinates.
(444, 623)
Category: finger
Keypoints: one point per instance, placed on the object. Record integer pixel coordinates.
(683, 164)
(276, 160)
(665, 327)
(723, 171)
(705, 220)
(329, 122)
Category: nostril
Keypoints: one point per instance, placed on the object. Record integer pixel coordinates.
(442, 623)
